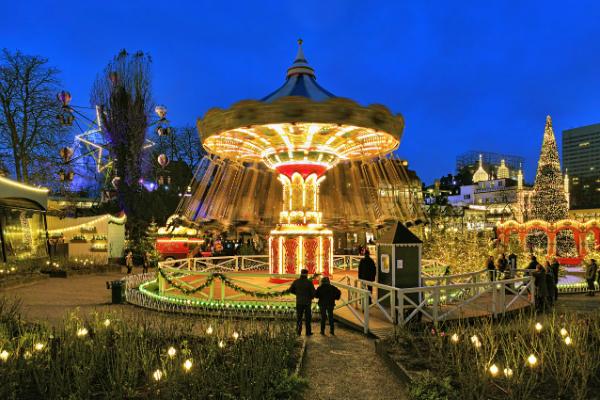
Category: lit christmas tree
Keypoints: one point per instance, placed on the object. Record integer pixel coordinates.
(549, 202)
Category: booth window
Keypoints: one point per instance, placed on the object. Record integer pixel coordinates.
(23, 232)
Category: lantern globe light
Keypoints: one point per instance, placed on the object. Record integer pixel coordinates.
(221, 344)
(454, 338)
(568, 341)
(563, 332)
(171, 352)
(39, 346)
(81, 332)
(532, 360)
(157, 375)
(4, 355)
(494, 370)
(209, 330)
(187, 365)
(106, 322)
(508, 372)
(236, 335)
(538, 326)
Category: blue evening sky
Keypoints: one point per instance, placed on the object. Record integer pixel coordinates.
(465, 75)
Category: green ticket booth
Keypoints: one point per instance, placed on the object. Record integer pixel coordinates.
(399, 260)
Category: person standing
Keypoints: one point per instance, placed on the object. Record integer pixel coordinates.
(327, 295)
(304, 290)
(491, 268)
(502, 263)
(555, 271)
(541, 289)
(590, 276)
(550, 284)
(129, 262)
(512, 263)
(367, 271)
(146, 265)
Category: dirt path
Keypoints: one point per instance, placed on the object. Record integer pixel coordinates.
(346, 367)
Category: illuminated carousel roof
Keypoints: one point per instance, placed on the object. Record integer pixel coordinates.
(300, 81)
(300, 123)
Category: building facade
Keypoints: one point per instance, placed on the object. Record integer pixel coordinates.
(581, 159)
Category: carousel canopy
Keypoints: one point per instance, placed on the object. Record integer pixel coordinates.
(300, 81)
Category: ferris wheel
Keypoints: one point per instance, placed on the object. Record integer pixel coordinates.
(91, 143)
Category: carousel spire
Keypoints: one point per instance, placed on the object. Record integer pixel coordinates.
(300, 65)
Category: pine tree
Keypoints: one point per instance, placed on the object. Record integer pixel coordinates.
(548, 200)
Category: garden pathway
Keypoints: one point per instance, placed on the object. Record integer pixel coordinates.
(345, 366)
(51, 299)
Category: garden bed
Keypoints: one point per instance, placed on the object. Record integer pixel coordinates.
(111, 356)
(526, 357)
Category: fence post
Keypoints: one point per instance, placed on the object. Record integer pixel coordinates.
(393, 305)
(365, 297)
(237, 264)
(436, 304)
(400, 305)
(161, 284)
(494, 298)
(189, 263)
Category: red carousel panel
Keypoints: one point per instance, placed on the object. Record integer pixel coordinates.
(289, 260)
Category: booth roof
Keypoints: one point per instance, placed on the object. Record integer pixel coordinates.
(398, 234)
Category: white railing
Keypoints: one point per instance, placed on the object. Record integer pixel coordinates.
(220, 264)
(439, 303)
(449, 297)
(346, 262)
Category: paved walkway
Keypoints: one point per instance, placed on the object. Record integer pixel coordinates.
(345, 367)
(52, 299)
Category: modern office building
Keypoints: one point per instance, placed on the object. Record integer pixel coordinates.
(581, 159)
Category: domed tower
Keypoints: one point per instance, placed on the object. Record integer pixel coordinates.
(300, 130)
(480, 175)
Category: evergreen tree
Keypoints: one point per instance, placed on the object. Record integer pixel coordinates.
(548, 200)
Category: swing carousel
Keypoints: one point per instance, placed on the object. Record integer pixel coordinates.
(300, 131)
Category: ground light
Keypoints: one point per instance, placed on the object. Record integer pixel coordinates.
(187, 365)
(494, 370)
(532, 360)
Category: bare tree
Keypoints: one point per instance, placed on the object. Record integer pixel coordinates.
(188, 146)
(124, 93)
(30, 133)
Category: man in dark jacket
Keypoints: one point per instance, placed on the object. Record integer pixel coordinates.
(555, 270)
(541, 289)
(327, 295)
(590, 276)
(305, 292)
(367, 270)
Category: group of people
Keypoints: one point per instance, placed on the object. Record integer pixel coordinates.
(148, 262)
(326, 294)
(545, 279)
(504, 267)
(305, 292)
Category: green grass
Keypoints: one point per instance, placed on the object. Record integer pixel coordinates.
(118, 359)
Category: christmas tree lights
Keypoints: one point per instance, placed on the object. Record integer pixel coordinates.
(549, 202)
